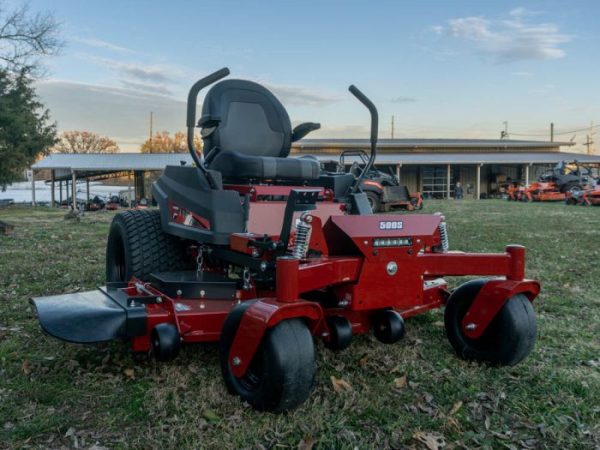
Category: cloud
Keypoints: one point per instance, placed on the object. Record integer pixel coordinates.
(117, 112)
(99, 43)
(522, 74)
(298, 95)
(543, 89)
(151, 88)
(403, 99)
(143, 72)
(511, 39)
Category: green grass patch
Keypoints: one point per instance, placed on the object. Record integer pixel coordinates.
(54, 394)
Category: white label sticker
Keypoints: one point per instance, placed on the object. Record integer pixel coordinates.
(390, 225)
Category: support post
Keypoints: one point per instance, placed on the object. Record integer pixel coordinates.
(74, 191)
(87, 189)
(60, 193)
(52, 182)
(398, 168)
(32, 187)
(448, 181)
(527, 175)
(478, 186)
(129, 190)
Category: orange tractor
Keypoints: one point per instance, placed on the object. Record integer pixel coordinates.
(557, 184)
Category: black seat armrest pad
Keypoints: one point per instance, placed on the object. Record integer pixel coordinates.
(303, 129)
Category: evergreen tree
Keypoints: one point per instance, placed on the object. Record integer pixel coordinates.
(25, 128)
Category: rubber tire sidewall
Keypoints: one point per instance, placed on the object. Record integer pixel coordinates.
(288, 359)
(340, 330)
(374, 200)
(169, 342)
(508, 339)
(138, 238)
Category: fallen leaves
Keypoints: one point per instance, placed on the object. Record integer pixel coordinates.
(455, 408)
(340, 385)
(401, 382)
(431, 440)
(306, 443)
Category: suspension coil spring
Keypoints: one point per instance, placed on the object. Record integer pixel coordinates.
(302, 240)
(444, 236)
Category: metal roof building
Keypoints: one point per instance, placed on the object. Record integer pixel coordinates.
(432, 166)
(428, 145)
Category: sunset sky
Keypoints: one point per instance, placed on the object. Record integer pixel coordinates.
(442, 68)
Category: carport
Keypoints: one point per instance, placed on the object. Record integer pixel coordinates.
(69, 168)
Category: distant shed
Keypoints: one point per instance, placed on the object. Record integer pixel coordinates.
(69, 168)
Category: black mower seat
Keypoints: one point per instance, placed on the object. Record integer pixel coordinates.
(247, 134)
(236, 165)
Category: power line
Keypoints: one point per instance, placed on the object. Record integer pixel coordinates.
(555, 133)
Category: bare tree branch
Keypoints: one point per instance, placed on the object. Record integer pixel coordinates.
(25, 37)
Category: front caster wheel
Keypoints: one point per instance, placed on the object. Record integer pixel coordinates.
(340, 333)
(388, 326)
(508, 339)
(166, 342)
(281, 375)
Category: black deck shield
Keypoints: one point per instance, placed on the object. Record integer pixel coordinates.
(93, 316)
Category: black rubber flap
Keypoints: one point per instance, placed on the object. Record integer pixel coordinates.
(82, 317)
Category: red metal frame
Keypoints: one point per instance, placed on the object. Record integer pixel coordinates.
(366, 263)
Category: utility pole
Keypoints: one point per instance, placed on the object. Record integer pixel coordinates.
(151, 123)
(551, 131)
(590, 139)
(392, 127)
(504, 133)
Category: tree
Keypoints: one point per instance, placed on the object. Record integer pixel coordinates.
(163, 142)
(25, 37)
(84, 142)
(25, 131)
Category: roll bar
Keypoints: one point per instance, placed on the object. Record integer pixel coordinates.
(191, 114)
(374, 131)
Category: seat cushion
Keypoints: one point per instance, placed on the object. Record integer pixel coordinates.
(235, 165)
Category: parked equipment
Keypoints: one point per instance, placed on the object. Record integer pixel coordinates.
(113, 203)
(557, 182)
(589, 195)
(242, 252)
(383, 190)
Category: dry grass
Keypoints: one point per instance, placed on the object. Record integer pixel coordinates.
(415, 394)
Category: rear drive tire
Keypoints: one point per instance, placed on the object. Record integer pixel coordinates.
(282, 373)
(508, 339)
(166, 342)
(374, 201)
(138, 246)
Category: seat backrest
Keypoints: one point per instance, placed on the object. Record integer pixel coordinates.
(244, 117)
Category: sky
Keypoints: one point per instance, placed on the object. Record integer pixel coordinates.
(443, 69)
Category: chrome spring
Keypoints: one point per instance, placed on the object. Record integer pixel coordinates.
(444, 236)
(302, 239)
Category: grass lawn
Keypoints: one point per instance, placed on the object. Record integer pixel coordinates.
(414, 394)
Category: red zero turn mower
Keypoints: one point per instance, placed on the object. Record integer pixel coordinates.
(243, 252)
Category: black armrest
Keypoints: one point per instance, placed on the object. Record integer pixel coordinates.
(303, 129)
